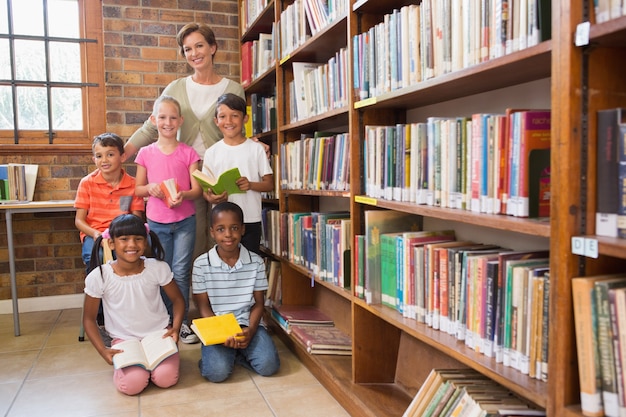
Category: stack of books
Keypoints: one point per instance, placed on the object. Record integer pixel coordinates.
(313, 329)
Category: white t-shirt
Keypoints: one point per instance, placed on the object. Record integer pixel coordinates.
(253, 164)
(201, 98)
(132, 304)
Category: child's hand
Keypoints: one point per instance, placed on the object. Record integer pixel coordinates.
(108, 354)
(240, 340)
(243, 184)
(177, 200)
(215, 198)
(173, 333)
(155, 191)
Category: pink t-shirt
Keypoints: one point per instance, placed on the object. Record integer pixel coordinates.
(160, 167)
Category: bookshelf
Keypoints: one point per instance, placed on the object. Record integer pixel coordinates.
(388, 366)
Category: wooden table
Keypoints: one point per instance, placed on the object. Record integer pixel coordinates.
(26, 207)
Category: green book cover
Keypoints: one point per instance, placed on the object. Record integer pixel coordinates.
(226, 182)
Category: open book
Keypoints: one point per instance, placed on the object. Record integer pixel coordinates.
(226, 181)
(147, 353)
(216, 329)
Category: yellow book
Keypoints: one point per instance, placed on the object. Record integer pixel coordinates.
(216, 329)
(225, 182)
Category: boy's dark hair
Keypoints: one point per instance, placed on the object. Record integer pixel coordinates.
(127, 225)
(227, 206)
(108, 140)
(232, 101)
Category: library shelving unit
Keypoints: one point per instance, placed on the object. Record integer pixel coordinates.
(393, 355)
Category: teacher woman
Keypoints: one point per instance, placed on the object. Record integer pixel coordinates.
(197, 95)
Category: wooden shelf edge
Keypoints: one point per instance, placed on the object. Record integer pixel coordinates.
(535, 227)
(335, 374)
(486, 76)
(308, 274)
(529, 388)
(611, 246)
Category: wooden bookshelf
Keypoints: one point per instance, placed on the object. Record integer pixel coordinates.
(388, 365)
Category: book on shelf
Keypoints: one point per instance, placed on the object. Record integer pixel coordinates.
(323, 339)
(606, 351)
(148, 352)
(215, 329)
(273, 282)
(531, 131)
(617, 306)
(513, 308)
(607, 171)
(378, 222)
(246, 63)
(504, 302)
(621, 221)
(585, 324)
(303, 315)
(227, 181)
(170, 189)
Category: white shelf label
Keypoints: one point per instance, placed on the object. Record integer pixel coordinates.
(585, 246)
(582, 34)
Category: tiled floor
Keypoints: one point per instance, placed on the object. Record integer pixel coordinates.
(46, 372)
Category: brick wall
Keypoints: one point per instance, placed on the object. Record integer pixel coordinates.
(141, 57)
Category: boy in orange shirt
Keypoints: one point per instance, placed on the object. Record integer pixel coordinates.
(105, 193)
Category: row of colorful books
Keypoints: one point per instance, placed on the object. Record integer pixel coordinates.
(611, 173)
(316, 162)
(313, 329)
(465, 392)
(304, 18)
(317, 88)
(17, 182)
(487, 163)
(319, 241)
(257, 57)
(493, 299)
(600, 324)
(249, 11)
(421, 41)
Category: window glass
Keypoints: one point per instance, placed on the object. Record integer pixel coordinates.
(67, 109)
(5, 62)
(65, 62)
(63, 19)
(6, 108)
(27, 17)
(32, 108)
(30, 60)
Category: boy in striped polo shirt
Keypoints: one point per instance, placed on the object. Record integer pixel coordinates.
(230, 278)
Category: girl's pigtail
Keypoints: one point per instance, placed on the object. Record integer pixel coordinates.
(155, 246)
(95, 260)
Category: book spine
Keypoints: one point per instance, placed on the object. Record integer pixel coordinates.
(590, 388)
(605, 349)
(621, 221)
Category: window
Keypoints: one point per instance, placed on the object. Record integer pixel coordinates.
(51, 71)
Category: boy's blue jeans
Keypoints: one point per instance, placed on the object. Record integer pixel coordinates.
(261, 356)
(178, 240)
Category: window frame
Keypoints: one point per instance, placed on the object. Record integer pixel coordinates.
(93, 91)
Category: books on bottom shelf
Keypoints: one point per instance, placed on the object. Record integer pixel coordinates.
(148, 352)
(454, 392)
(301, 315)
(323, 340)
